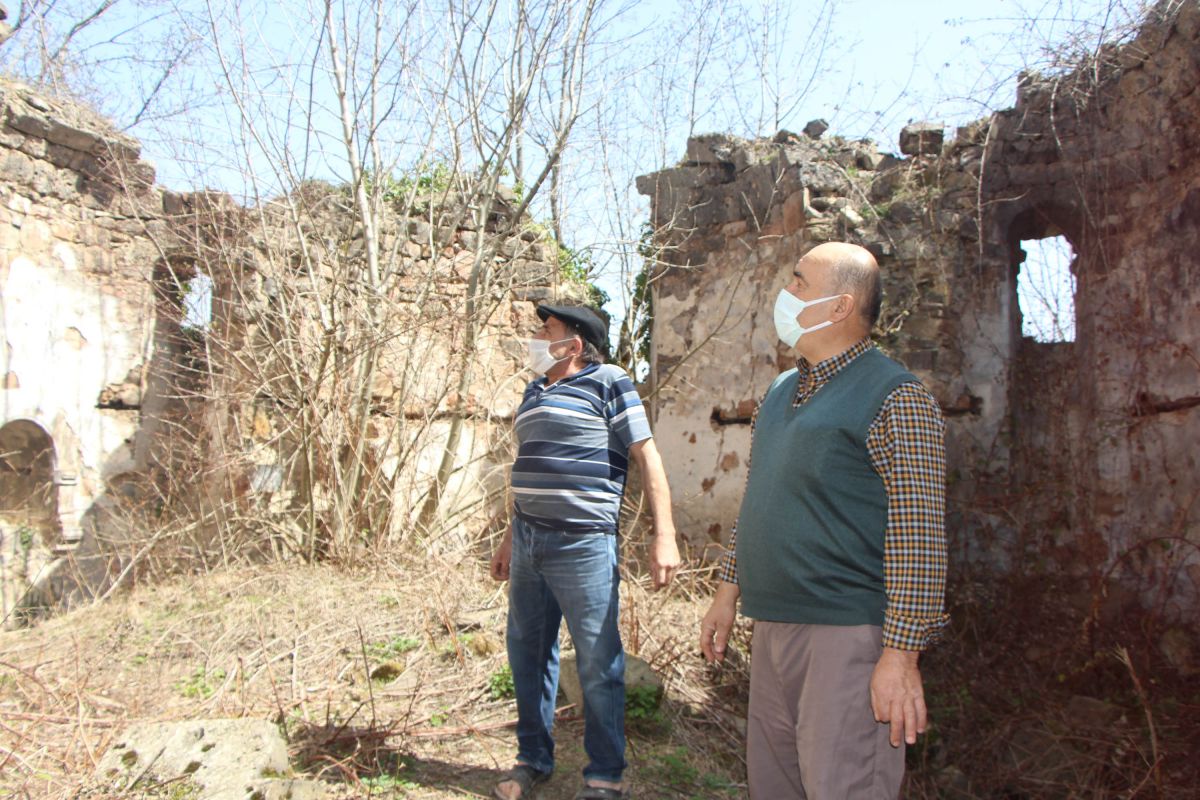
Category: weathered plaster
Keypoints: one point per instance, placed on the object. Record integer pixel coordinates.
(1078, 457)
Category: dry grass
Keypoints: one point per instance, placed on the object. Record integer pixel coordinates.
(1029, 698)
(1038, 693)
(297, 645)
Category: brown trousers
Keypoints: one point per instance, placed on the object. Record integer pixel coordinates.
(811, 734)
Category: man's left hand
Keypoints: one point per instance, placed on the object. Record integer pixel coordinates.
(897, 696)
(664, 558)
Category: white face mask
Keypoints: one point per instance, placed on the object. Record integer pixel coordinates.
(787, 308)
(540, 360)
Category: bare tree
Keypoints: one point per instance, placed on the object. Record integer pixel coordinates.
(352, 307)
(127, 58)
(333, 400)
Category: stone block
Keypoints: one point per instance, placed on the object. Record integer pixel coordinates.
(793, 216)
(973, 133)
(60, 133)
(524, 272)
(639, 677)
(696, 177)
(1187, 22)
(851, 218)
(17, 167)
(172, 203)
(563, 293)
(886, 183)
(221, 757)
(411, 250)
(824, 179)
(822, 230)
(905, 212)
(846, 159)
(815, 128)
(33, 125)
(33, 146)
(871, 159)
(712, 149)
(419, 230)
(921, 138)
(958, 181)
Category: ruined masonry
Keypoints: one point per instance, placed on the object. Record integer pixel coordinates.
(113, 399)
(1077, 458)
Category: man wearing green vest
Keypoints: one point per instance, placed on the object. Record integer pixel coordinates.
(839, 554)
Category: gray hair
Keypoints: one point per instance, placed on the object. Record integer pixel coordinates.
(591, 354)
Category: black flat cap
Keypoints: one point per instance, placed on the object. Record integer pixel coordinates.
(587, 321)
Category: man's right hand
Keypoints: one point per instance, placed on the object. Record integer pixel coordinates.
(718, 622)
(501, 559)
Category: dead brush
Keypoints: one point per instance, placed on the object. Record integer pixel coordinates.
(1028, 698)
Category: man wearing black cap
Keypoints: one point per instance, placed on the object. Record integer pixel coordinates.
(576, 428)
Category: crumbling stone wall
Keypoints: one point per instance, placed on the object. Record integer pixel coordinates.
(113, 398)
(277, 266)
(1076, 457)
(732, 220)
(1104, 429)
(77, 214)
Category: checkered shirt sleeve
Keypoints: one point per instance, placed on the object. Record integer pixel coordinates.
(906, 443)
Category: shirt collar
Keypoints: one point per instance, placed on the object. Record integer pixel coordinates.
(813, 377)
(540, 381)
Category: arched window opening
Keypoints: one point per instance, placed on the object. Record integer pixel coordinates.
(27, 492)
(26, 468)
(1046, 290)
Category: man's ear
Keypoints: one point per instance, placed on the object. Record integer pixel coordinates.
(845, 306)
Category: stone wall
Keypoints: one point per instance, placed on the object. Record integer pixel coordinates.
(732, 220)
(120, 409)
(273, 327)
(1074, 457)
(78, 217)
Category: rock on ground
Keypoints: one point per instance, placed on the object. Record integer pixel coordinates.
(225, 759)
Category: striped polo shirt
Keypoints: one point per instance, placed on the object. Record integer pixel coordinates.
(573, 440)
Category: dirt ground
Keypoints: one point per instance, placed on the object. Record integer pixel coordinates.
(391, 683)
(299, 645)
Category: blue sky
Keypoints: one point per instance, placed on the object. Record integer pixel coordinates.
(866, 66)
(887, 61)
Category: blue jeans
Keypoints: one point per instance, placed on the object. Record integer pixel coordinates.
(556, 575)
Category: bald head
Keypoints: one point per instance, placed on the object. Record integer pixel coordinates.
(852, 270)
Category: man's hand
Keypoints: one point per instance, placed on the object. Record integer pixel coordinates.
(664, 553)
(502, 558)
(664, 558)
(718, 622)
(896, 695)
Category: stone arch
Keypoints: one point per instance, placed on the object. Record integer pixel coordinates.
(29, 521)
(28, 471)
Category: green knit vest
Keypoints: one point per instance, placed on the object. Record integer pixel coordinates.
(810, 532)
